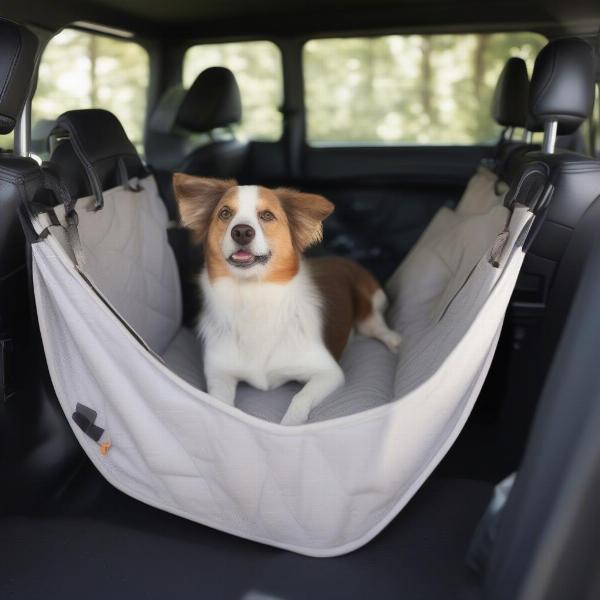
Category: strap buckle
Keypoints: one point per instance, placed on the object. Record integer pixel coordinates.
(71, 217)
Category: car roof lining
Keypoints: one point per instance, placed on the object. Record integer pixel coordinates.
(204, 20)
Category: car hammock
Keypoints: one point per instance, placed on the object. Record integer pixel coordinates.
(130, 380)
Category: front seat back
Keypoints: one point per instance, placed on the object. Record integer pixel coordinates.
(561, 185)
(197, 127)
(213, 102)
(37, 449)
(547, 545)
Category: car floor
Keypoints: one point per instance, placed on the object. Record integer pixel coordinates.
(88, 540)
(91, 541)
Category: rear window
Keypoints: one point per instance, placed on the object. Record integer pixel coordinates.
(85, 70)
(408, 89)
(7, 141)
(257, 68)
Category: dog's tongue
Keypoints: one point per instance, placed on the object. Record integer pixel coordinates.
(242, 256)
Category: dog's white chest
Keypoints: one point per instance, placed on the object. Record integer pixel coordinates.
(262, 333)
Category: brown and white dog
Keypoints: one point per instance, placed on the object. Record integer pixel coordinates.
(270, 316)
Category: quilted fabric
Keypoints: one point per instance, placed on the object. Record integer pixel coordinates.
(324, 488)
(128, 257)
(368, 365)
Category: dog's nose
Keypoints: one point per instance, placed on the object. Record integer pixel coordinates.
(243, 234)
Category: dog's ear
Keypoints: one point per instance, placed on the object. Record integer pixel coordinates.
(305, 213)
(197, 198)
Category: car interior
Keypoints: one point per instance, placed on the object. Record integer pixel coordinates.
(388, 110)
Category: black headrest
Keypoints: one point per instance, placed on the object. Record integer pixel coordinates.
(562, 85)
(97, 151)
(509, 107)
(166, 111)
(212, 101)
(18, 47)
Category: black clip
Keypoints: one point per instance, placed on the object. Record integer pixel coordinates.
(71, 217)
(84, 417)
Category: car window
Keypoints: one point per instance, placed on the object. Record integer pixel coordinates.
(85, 70)
(410, 89)
(258, 70)
(7, 142)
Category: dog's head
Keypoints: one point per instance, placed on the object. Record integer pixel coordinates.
(250, 231)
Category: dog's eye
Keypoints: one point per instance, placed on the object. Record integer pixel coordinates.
(225, 213)
(267, 215)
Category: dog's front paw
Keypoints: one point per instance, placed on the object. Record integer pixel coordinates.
(223, 389)
(392, 340)
(297, 414)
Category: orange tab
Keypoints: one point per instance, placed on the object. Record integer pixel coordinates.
(104, 448)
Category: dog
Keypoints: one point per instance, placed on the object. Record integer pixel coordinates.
(270, 315)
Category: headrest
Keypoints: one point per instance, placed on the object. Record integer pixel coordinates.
(509, 107)
(212, 101)
(164, 115)
(97, 148)
(18, 47)
(562, 85)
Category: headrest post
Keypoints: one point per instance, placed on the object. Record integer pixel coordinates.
(23, 130)
(508, 133)
(550, 131)
(527, 136)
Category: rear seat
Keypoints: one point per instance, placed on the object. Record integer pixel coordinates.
(93, 142)
(103, 141)
(106, 144)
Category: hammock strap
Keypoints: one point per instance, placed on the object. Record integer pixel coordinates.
(58, 188)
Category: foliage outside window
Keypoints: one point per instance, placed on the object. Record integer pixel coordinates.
(84, 70)
(7, 142)
(420, 89)
(258, 70)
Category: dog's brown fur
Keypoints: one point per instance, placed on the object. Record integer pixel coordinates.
(347, 290)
